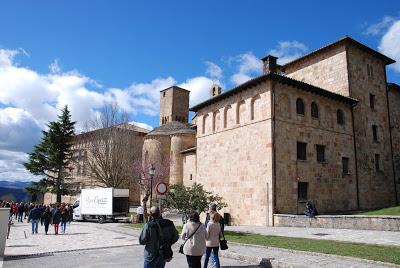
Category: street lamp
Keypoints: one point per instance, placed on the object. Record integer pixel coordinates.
(152, 171)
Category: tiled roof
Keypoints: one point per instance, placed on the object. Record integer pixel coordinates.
(173, 127)
(280, 79)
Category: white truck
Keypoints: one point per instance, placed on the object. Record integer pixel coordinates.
(102, 204)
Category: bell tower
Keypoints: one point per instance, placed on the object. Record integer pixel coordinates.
(174, 105)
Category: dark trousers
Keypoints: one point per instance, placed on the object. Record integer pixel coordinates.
(46, 226)
(214, 260)
(194, 261)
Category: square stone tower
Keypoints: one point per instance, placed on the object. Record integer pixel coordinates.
(174, 105)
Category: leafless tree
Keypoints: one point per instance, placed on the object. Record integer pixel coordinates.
(112, 152)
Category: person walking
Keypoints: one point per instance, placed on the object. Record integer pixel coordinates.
(213, 235)
(46, 216)
(56, 220)
(64, 220)
(34, 217)
(212, 209)
(155, 233)
(194, 234)
(20, 211)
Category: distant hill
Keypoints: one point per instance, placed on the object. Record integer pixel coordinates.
(14, 190)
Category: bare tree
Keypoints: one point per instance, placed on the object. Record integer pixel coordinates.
(112, 154)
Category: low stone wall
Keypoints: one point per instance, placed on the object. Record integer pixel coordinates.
(381, 223)
(4, 213)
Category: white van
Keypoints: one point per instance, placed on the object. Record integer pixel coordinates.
(102, 204)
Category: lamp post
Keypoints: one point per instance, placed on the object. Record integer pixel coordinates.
(152, 171)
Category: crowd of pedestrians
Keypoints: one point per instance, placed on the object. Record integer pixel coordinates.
(198, 239)
(45, 214)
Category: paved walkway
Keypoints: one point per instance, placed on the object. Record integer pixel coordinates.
(84, 236)
(386, 238)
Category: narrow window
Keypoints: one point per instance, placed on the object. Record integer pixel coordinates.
(300, 106)
(314, 110)
(377, 162)
(368, 72)
(302, 191)
(320, 153)
(163, 94)
(340, 117)
(191, 177)
(345, 165)
(301, 151)
(375, 132)
(372, 101)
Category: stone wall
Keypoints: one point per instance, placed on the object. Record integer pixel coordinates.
(328, 188)
(234, 154)
(327, 70)
(376, 187)
(394, 108)
(179, 142)
(189, 168)
(381, 223)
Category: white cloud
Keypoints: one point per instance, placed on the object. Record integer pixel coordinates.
(199, 88)
(248, 67)
(390, 44)
(11, 167)
(142, 125)
(380, 27)
(54, 67)
(213, 70)
(287, 51)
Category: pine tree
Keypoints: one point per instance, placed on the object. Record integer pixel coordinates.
(52, 156)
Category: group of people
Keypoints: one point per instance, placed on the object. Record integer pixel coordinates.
(198, 238)
(46, 215)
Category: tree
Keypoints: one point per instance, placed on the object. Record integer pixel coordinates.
(194, 198)
(37, 188)
(113, 155)
(52, 156)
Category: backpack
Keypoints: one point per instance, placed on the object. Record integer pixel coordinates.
(164, 249)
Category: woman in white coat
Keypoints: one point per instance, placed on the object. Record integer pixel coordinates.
(213, 235)
(195, 246)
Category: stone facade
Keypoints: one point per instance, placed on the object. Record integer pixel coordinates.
(394, 108)
(174, 105)
(255, 148)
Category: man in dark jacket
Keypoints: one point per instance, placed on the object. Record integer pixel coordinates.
(152, 239)
(34, 217)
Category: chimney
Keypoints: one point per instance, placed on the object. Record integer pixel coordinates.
(215, 90)
(270, 65)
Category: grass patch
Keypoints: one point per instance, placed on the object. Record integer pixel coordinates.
(392, 211)
(364, 251)
(371, 252)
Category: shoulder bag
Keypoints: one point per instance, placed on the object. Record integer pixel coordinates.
(181, 247)
(223, 243)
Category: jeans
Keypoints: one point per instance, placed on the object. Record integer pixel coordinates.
(46, 226)
(214, 257)
(20, 217)
(35, 224)
(156, 263)
(194, 261)
(63, 226)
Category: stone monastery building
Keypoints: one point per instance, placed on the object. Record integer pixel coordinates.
(324, 127)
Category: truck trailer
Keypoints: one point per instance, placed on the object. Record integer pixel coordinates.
(102, 204)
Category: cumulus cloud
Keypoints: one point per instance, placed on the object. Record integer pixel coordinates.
(380, 27)
(248, 67)
(11, 167)
(390, 44)
(199, 88)
(287, 51)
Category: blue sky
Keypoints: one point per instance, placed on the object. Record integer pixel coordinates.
(83, 53)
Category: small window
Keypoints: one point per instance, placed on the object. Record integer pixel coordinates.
(314, 110)
(375, 132)
(372, 101)
(163, 94)
(368, 72)
(301, 151)
(345, 165)
(191, 177)
(320, 153)
(302, 191)
(340, 117)
(377, 162)
(300, 106)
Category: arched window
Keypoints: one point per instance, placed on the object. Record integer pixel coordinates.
(299, 106)
(255, 108)
(240, 110)
(340, 117)
(314, 110)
